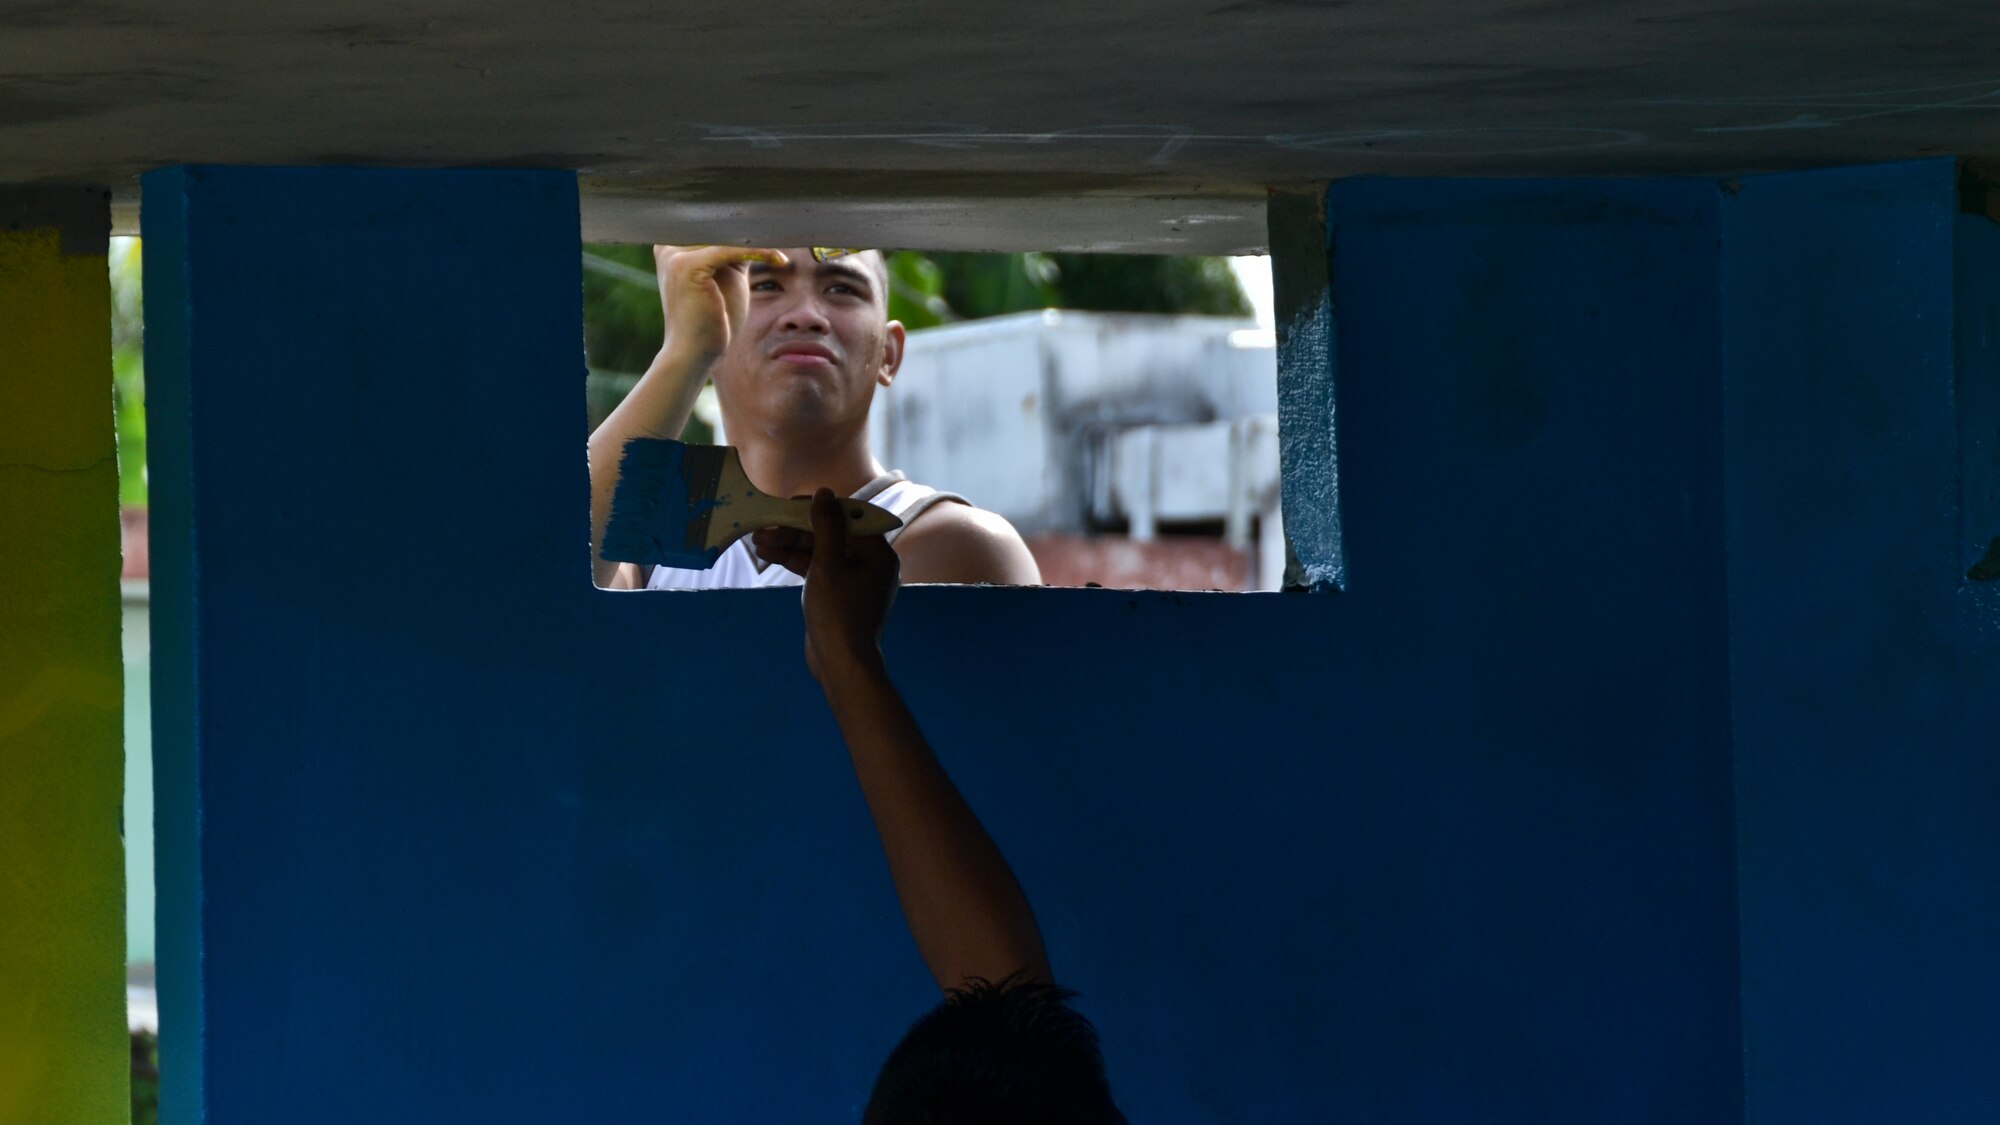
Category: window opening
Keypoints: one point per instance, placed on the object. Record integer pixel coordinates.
(1119, 411)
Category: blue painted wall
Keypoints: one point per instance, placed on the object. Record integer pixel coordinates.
(1861, 315)
(1532, 836)
(1459, 843)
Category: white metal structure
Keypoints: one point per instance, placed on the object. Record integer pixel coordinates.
(1077, 422)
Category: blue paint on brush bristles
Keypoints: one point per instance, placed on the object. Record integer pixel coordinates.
(659, 513)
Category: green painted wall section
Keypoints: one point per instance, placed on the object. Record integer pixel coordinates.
(63, 1050)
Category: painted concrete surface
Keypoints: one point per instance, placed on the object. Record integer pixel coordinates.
(63, 1053)
(1819, 348)
(1528, 869)
(1865, 666)
(1034, 126)
(179, 878)
(1459, 842)
(671, 819)
(664, 818)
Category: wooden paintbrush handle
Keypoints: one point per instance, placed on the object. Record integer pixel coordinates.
(744, 516)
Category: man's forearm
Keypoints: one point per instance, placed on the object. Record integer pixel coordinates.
(658, 406)
(963, 904)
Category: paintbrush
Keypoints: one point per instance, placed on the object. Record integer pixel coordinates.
(681, 505)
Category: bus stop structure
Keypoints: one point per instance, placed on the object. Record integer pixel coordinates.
(1628, 749)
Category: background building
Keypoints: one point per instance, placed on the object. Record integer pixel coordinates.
(1130, 451)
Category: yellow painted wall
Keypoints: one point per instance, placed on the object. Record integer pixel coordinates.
(64, 1057)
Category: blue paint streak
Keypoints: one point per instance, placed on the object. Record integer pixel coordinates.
(1306, 450)
(651, 510)
(1310, 492)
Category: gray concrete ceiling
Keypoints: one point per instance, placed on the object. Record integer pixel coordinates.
(1115, 124)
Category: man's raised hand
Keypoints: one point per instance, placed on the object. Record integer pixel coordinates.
(850, 585)
(705, 294)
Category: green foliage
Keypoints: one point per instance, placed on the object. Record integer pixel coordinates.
(1148, 284)
(983, 285)
(916, 291)
(128, 370)
(622, 324)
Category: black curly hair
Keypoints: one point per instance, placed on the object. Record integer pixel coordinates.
(996, 1054)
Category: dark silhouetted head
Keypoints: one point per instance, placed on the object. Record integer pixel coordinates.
(996, 1054)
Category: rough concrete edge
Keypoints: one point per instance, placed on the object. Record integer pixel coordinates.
(82, 214)
(992, 223)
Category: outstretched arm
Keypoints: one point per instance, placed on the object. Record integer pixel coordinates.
(963, 904)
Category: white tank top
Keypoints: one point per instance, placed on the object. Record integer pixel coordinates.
(738, 569)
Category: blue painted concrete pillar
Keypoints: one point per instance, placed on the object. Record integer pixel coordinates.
(1784, 390)
(1537, 847)
(1861, 377)
(318, 798)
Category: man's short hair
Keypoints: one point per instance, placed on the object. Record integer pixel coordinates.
(996, 1054)
(872, 259)
(876, 262)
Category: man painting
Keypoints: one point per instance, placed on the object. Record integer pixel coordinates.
(797, 343)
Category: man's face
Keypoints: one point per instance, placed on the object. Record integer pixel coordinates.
(816, 342)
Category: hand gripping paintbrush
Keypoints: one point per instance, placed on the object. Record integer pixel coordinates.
(681, 505)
